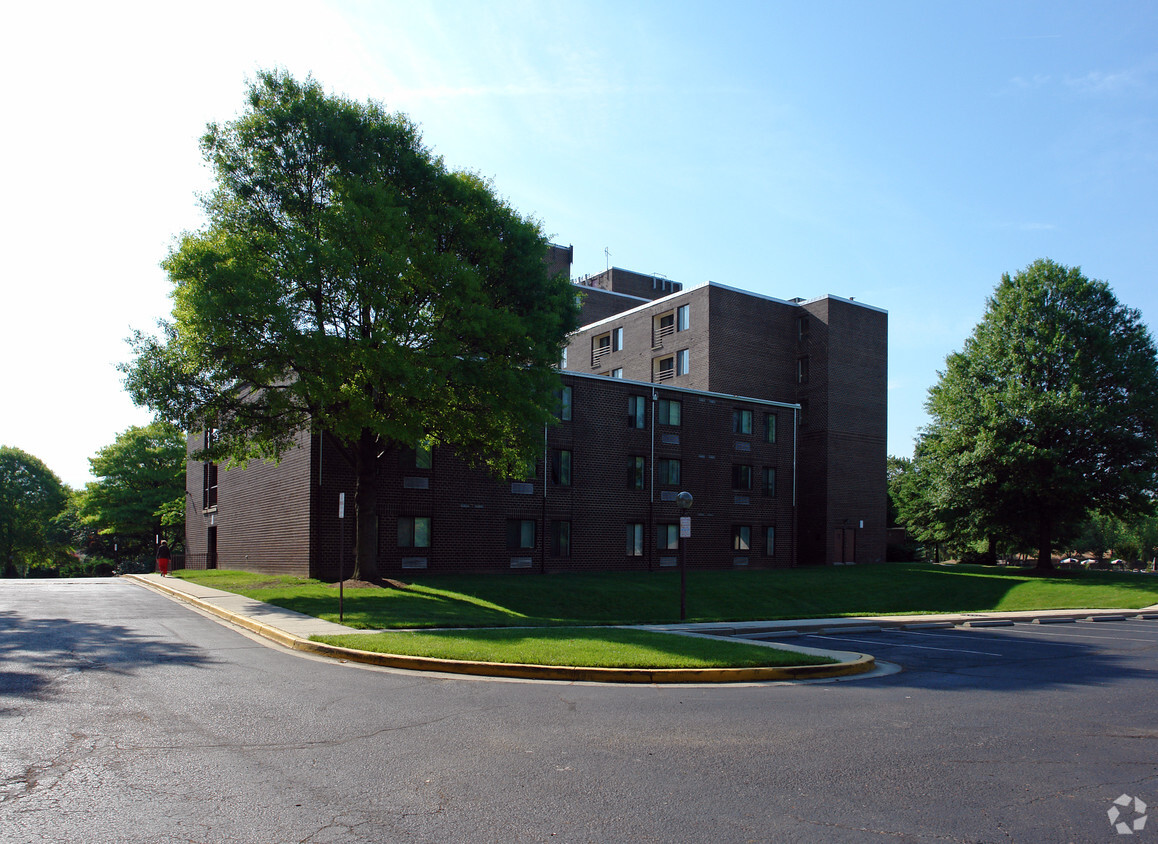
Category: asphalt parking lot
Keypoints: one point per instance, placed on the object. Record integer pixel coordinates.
(1081, 649)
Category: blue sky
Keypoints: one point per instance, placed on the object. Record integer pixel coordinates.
(904, 154)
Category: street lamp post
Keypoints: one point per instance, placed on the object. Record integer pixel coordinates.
(684, 499)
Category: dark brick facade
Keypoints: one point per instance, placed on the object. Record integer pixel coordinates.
(261, 518)
(828, 355)
(736, 363)
(284, 517)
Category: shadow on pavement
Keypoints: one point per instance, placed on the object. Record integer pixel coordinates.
(34, 651)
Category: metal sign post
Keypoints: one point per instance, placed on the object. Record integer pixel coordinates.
(684, 499)
(341, 551)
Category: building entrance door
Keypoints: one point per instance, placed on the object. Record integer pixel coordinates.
(844, 545)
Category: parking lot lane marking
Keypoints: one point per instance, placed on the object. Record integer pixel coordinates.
(1066, 634)
(902, 645)
(961, 632)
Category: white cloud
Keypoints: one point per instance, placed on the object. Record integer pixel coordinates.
(1101, 82)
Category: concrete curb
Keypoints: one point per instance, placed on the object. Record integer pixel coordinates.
(861, 663)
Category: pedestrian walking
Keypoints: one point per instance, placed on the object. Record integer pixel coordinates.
(163, 558)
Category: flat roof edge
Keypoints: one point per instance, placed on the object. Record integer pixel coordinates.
(646, 303)
(789, 302)
(846, 301)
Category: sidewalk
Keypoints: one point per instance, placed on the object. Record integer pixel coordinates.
(293, 629)
(860, 624)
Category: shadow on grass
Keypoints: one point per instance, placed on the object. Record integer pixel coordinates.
(634, 598)
(653, 598)
(384, 608)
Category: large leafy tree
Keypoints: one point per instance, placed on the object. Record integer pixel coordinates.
(140, 479)
(1049, 413)
(31, 496)
(349, 283)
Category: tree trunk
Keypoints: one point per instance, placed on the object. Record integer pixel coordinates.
(1044, 546)
(365, 508)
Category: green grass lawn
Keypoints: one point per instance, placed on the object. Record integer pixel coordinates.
(607, 647)
(642, 598)
(544, 619)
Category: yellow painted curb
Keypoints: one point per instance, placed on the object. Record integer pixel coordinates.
(521, 671)
(589, 674)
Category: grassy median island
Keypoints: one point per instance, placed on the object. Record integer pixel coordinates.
(608, 647)
(559, 600)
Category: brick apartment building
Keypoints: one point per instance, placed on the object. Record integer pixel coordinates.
(771, 413)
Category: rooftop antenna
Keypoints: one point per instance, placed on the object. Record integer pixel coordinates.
(607, 255)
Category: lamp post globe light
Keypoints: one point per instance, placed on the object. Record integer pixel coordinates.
(684, 500)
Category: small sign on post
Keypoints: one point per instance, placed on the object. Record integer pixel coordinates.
(684, 500)
(341, 553)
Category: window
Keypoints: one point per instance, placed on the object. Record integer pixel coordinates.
(768, 481)
(209, 473)
(802, 327)
(636, 406)
(769, 541)
(560, 539)
(600, 348)
(682, 318)
(741, 538)
(565, 404)
(635, 539)
(741, 421)
(683, 362)
(414, 532)
(421, 456)
(667, 537)
(662, 326)
(636, 469)
(208, 485)
(520, 534)
(669, 412)
(617, 339)
(617, 373)
(563, 359)
(669, 471)
(802, 370)
(561, 467)
(663, 369)
(741, 477)
(769, 427)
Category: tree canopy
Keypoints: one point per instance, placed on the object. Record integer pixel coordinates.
(140, 483)
(31, 497)
(1049, 413)
(348, 282)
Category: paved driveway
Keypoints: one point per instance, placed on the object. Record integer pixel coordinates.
(125, 717)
